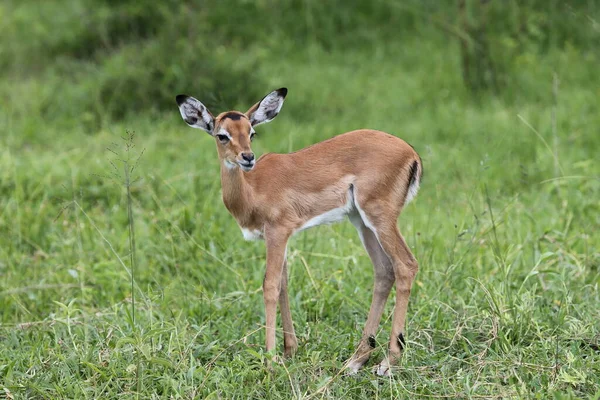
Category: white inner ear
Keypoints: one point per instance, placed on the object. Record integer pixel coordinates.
(268, 109)
(196, 115)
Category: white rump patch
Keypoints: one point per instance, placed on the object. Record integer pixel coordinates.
(413, 189)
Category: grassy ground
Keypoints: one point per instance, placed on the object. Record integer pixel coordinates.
(505, 228)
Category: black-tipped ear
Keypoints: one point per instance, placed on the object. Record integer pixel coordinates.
(268, 108)
(282, 92)
(181, 98)
(195, 114)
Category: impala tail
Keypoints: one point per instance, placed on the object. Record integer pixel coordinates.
(414, 180)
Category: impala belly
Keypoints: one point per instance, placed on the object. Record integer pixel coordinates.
(328, 217)
(331, 216)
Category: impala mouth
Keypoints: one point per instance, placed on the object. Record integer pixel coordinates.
(246, 166)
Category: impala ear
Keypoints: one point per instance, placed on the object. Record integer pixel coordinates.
(195, 114)
(268, 108)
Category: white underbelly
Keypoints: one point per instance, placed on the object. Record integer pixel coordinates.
(331, 216)
(252, 234)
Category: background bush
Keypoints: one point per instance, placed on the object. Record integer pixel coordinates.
(131, 56)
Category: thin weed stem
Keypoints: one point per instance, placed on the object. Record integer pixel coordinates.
(132, 247)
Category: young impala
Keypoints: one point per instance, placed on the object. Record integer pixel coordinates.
(366, 175)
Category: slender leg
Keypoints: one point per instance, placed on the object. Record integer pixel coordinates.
(290, 343)
(276, 241)
(405, 268)
(384, 280)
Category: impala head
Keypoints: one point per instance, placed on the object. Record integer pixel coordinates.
(232, 130)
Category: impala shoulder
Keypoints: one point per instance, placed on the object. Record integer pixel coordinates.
(265, 156)
(272, 161)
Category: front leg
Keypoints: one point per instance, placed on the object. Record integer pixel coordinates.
(290, 343)
(276, 242)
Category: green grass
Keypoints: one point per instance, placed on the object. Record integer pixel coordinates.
(505, 228)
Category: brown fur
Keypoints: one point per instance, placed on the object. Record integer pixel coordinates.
(284, 191)
(292, 188)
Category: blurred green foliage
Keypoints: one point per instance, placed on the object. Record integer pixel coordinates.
(114, 58)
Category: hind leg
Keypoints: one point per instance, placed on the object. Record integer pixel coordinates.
(405, 269)
(384, 280)
(381, 217)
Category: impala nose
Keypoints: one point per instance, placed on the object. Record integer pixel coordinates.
(249, 157)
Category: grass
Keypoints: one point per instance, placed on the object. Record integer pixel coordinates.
(505, 228)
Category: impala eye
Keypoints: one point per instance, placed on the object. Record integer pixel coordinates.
(252, 134)
(223, 138)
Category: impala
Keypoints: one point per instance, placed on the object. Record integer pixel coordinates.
(366, 175)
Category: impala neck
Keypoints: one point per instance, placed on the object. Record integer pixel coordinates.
(236, 192)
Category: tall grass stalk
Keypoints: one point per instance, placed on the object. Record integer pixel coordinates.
(128, 169)
(127, 181)
(555, 83)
